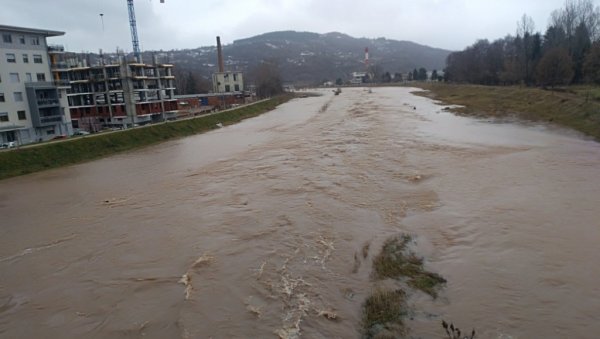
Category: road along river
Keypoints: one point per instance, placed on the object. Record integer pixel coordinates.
(250, 231)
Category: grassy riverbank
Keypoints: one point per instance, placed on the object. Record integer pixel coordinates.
(76, 150)
(576, 107)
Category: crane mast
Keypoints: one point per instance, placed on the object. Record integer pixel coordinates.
(134, 36)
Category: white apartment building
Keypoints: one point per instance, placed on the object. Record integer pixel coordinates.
(32, 106)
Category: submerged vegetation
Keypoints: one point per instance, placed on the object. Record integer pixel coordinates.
(453, 332)
(57, 154)
(384, 310)
(396, 261)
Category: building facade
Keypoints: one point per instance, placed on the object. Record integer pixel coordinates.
(114, 94)
(32, 105)
(228, 82)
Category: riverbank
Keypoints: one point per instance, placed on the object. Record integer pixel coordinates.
(77, 150)
(576, 107)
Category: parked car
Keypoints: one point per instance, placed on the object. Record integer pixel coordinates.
(10, 144)
(62, 136)
(81, 133)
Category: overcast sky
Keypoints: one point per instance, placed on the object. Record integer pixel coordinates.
(178, 24)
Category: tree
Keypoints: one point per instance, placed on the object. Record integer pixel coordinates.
(268, 80)
(386, 77)
(555, 37)
(415, 74)
(398, 77)
(422, 75)
(339, 81)
(434, 75)
(410, 76)
(580, 46)
(190, 84)
(591, 64)
(555, 68)
(575, 13)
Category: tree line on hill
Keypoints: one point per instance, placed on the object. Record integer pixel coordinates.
(568, 52)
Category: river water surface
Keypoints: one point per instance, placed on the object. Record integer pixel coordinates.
(252, 230)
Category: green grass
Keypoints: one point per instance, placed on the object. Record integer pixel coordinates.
(576, 107)
(33, 159)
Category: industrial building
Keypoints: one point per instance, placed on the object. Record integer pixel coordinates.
(32, 105)
(114, 94)
(226, 81)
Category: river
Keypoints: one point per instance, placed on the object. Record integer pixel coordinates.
(251, 230)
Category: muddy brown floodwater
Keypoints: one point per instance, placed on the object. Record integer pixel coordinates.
(250, 231)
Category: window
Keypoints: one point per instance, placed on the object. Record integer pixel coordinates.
(26, 58)
(234, 76)
(22, 115)
(50, 131)
(28, 77)
(227, 88)
(18, 96)
(37, 58)
(35, 40)
(22, 39)
(237, 87)
(14, 78)
(2, 97)
(10, 57)
(7, 38)
(41, 77)
(3, 116)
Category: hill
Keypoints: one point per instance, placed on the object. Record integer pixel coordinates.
(305, 57)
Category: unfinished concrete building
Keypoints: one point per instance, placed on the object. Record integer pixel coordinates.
(117, 94)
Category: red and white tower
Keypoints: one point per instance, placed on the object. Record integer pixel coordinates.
(367, 58)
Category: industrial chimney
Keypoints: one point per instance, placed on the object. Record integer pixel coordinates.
(220, 55)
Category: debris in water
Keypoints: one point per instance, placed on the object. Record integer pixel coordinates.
(331, 315)
(114, 201)
(253, 309)
(187, 281)
(260, 270)
(365, 249)
(204, 260)
(416, 177)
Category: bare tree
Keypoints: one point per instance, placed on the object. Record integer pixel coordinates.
(574, 13)
(267, 79)
(525, 26)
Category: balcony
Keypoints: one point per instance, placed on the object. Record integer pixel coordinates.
(59, 66)
(62, 83)
(47, 102)
(56, 49)
(50, 119)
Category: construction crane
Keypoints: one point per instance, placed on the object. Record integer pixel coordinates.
(133, 26)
